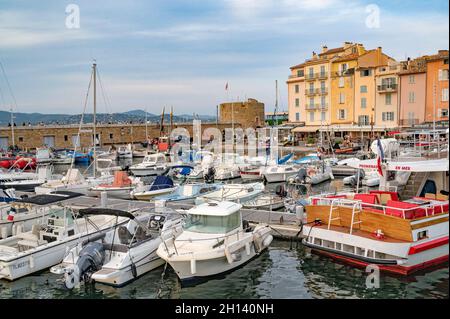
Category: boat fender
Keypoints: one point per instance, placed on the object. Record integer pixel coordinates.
(133, 270)
(257, 240)
(193, 266)
(228, 255)
(71, 278)
(267, 241)
(4, 232)
(236, 257)
(31, 261)
(247, 249)
(19, 228)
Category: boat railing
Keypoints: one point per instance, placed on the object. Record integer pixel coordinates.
(405, 213)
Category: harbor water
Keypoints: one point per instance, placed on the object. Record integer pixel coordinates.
(287, 271)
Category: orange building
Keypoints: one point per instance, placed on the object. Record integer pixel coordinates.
(437, 87)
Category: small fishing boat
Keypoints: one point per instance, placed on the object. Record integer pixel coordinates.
(239, 193)
(154, 164)
(44, 174)
(124, 152)
(20, 214)
(187, 193)
(47, 244)
(160, 186)
(122, 254)
(278, 173)
(121, 187)
(214, 241)
(62, 158)
(74, 181)
(266, 202)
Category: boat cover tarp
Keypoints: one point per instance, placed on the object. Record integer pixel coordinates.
(161, 182)
(105, 211)
(284, 159)
(45, 199)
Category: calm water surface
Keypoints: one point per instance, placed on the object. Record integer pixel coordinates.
(284, 271)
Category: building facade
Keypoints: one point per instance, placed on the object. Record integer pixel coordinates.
(437, 87)
(249, 113)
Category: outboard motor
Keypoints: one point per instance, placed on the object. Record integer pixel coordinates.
(281, 191)
(209, 176)
(90, 260)
(300, 178)
(354, 181)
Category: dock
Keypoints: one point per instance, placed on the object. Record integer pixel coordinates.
(284, 225)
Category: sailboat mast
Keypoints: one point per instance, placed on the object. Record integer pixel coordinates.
(12, 128)
(94, 69)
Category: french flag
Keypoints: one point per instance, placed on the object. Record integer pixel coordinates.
(380, 157)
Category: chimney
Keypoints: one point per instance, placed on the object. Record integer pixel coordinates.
(347, 45)
(379, 55)
(324, 49)
(314, 54)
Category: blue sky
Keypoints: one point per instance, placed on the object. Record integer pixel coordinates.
(177, 53)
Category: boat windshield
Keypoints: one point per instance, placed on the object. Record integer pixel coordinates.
(212, 224)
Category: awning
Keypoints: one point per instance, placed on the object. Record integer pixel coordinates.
(439, 165)
(306, 129)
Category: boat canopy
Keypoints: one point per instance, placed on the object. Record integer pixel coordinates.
(216, 209)
(285, 159)
(437, 165)
(45, 199)
(105, 211)
(161, 182)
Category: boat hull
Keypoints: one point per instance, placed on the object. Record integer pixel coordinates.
(152, 194)
(120, 193)
(147, 171)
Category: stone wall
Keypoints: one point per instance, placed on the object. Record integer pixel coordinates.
(64, 136)
(248, 114)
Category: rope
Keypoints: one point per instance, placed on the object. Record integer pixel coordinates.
(161, 283)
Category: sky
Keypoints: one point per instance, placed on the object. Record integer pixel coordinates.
(181, 53)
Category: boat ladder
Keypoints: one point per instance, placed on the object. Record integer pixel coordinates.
(333, 208)
(356, 211)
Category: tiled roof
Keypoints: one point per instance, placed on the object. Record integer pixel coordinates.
(331, 51)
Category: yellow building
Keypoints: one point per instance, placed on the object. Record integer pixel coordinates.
(296, 95)
(366, 87)
(343, 85)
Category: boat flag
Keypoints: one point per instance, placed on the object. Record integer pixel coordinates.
(226, 87)
(11, 214)
(380, 157)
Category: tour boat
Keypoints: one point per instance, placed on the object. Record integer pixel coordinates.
(187, 193)
(154, 164)
(214, 241)
(122, 254)
(48, 244)
(397, 233)
(120, 188)
(160, 186)
(22, 213)
(239, 193)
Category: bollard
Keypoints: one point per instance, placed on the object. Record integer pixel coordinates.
(104, 199)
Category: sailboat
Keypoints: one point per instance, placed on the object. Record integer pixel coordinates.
(74, 180)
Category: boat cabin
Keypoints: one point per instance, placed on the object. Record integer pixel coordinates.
(155, 159)
(214, 218)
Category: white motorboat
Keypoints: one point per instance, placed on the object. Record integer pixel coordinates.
(239, 193)
(16, 175)
(120, 188)
(47, 244)
(187, 193)
(154, 164)
(278, 173)
(20, 215)
(214, 241)
(44, 174)
(124, 152)
(161, 185)
(123, 253)
(229, 167)
(74, 181)
(266, 202)
(44, 155)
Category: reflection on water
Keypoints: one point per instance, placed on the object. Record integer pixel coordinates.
(280, 272)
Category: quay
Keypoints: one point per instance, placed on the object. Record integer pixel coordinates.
(284, 225)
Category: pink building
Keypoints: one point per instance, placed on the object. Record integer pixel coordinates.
(413, 84)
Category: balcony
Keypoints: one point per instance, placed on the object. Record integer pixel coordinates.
(310, 92)
(312, 107)
(311, 76)
(387, 88)
(322, 76)
(322, 91)
(323, 107)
